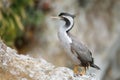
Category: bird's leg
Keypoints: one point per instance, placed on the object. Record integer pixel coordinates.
(83, 72)
(76, 72)
(85, 68)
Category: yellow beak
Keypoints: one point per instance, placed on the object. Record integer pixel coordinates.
(54, 17)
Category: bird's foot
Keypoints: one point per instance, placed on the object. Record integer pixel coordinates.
(76, 72)
(83, 71)
(79, 74)
(76, 75)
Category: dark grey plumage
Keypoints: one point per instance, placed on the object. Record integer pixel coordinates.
(83, 53)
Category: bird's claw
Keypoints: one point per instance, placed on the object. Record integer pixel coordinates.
(78, 74)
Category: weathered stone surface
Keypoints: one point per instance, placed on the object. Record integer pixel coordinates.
(21, 67)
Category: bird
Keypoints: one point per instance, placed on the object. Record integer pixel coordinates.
(78, 52)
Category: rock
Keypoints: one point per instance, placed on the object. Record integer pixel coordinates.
(22, 67)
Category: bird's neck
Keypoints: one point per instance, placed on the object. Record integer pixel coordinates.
(68, 23)
(64, 30)
(63, 35)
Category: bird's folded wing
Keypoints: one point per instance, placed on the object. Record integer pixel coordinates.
(81, 50)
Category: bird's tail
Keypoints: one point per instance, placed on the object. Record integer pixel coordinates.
(95, 66)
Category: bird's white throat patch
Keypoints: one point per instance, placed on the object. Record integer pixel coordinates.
(68, 38)
(63, 36)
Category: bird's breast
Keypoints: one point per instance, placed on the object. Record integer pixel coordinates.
(66, 41)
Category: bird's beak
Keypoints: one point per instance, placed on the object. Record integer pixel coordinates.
(54, 17)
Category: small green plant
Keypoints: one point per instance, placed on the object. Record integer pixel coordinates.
(14, 14)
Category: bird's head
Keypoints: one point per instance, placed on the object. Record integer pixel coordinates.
(66, 15)
(68, 18)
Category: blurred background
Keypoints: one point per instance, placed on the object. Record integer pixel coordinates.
(26, 26)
